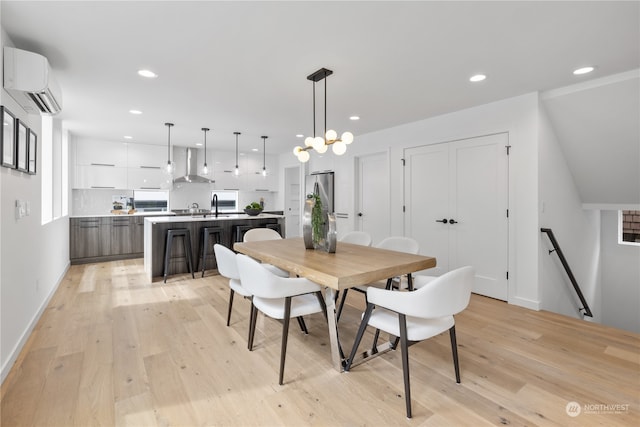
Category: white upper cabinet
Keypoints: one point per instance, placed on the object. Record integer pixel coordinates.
(100, 176)
(256, 181)
(224, 163)
(100, 153)
(146, 156)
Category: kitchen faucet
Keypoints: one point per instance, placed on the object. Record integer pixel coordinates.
(214, 202)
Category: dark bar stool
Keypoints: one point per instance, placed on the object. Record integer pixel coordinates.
(276, 227)
(186, 241)
(205, 232)
(239, 230)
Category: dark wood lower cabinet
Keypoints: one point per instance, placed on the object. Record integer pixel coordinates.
(95, 239)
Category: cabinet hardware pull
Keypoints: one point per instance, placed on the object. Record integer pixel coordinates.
(150, 167)
(453, 221)
(98, 186)
(89, 226)
(150, 188)
(103, 164)
(442, 220)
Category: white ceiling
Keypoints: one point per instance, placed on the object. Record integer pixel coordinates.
(242, 66)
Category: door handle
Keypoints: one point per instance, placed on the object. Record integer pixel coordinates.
(453, 221)
(442, 220)
(359, 213)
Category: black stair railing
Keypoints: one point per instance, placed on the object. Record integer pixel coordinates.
(563, 260)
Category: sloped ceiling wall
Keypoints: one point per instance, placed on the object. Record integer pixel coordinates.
(598, 126)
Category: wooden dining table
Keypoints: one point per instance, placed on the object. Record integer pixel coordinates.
(351, 265)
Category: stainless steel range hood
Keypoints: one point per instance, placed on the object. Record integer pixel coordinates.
(192, 169)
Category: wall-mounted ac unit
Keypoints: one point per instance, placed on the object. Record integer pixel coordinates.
(28, 79)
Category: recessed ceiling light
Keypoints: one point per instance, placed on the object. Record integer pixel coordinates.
(199, 144)
(128, 137)
(147, 73)
(135, 111)
(254, 149)
(583, 70)
(299, 135)
(354, 118)
(477, 78)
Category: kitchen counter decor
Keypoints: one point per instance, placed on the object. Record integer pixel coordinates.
(253, 209)
(318, 226)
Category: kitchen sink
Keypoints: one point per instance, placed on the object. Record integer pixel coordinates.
(191, 211)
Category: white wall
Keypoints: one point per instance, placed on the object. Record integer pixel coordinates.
(33, 257)
(620, 277)
(516, 116)
(577, 232)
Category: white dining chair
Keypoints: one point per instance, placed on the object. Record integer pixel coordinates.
(227, 267)
(393, 243)
(260, 234)
(279, 298)
(357, 238)
(418, 315)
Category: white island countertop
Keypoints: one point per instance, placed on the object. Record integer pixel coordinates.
(122, 215)
(208, 217)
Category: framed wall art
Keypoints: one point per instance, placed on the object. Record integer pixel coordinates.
(7, 138)
(22, 135)
(32, 152)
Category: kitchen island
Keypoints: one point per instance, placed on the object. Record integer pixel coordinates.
(155, 230)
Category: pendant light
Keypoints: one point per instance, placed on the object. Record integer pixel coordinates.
(319, 143)
(169, 168)
(264, 155)
(205, 169)
(237, 170)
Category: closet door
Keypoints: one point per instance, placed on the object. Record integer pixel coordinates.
(427, 202)
(456, 207)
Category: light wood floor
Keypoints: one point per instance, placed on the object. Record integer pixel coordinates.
(112, 349)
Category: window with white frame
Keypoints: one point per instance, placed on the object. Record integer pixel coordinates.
(629, 227)
(54, 168)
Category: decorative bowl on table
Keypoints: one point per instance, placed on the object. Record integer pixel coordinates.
(252, 211)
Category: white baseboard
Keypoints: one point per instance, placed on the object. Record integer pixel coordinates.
(6, 368)
(526, 303)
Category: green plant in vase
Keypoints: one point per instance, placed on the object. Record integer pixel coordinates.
(317, 219)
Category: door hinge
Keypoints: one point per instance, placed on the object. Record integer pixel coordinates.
(508, 147)
(507, 213)
(403, 162)
(403, 208)
(507, 275)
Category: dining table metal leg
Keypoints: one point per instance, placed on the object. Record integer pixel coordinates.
(336, 353)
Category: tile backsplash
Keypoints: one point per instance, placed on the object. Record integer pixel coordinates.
(100, 201)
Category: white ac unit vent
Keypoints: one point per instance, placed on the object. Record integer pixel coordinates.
(28, 79)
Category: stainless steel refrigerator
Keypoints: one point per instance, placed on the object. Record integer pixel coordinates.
(322, 183)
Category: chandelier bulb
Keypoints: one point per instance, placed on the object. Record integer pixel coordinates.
(318, 143)
(205, 169)
(339, 148)
(264, 172)
(331, 135)
(323, 149)
(308, 141)
(347, 138)
(303, 156)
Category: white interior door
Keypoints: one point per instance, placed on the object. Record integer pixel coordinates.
(292, 201)
(427, 202)
(372, 196)
(478, 204)
(465, 181)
